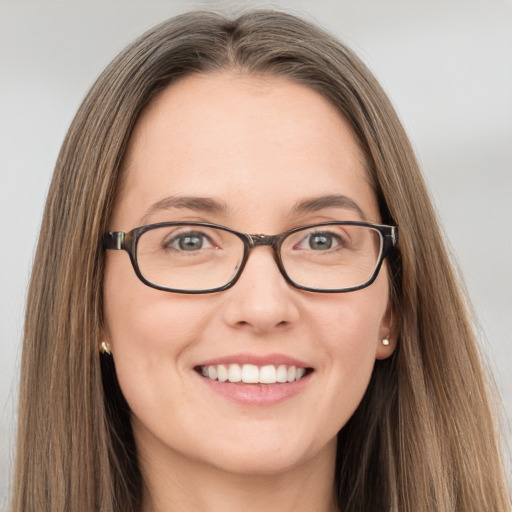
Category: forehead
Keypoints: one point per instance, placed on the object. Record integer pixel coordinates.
(253, 142)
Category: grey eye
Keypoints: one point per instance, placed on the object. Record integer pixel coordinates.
(320, 241)
(189, 242)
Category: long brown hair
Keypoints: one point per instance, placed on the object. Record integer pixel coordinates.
(423, 438)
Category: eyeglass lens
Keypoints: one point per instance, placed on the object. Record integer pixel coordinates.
(201, 258)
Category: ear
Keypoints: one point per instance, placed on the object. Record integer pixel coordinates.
(387, 331)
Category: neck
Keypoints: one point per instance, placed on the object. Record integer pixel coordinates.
(174, 482)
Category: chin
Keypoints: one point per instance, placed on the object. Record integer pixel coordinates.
(259, 462)
(266, 456)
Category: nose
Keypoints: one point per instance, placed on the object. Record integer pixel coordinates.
(261, 301)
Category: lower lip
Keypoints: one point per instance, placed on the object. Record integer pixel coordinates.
(257, 395)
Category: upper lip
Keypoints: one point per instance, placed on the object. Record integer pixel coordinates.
(257, 360)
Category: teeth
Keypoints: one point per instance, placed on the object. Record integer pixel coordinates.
(234, 373)
(212, 372)
(252, 374)
(222, 373)
(282, 373)
(268, 374)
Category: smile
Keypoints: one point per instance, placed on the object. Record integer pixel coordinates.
(253, 374)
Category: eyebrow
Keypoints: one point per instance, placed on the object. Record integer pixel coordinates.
(213, 206)
(199, 204)
(331, 201)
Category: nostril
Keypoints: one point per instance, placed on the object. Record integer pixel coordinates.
(261, 324)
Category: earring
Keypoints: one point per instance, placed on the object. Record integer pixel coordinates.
(385, 341)
(105, 348)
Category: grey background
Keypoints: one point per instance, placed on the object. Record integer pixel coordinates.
(447, 67)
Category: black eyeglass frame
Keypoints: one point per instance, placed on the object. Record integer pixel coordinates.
(127, 241)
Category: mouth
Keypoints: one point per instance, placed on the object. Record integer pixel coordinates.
(253, 374)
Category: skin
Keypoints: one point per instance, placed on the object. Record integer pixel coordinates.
(260, 145)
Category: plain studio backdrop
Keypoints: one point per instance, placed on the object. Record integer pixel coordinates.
(447, 66)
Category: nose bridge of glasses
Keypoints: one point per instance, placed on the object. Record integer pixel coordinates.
(270, 240)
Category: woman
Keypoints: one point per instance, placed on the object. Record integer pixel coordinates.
(266, 342)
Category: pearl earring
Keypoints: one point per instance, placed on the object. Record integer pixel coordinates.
(105, 348)
(385, 341)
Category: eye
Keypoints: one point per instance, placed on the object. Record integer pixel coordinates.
(320, 241)
(189, 242)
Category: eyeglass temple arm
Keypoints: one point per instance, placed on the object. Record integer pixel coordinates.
(114, 240)
(392, 236)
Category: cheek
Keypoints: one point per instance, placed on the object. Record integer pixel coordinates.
(138, 318)
(149, 331)
(348, 330)
(349, 325)
(351, 347)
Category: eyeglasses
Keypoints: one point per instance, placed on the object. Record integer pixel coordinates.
(197, 257)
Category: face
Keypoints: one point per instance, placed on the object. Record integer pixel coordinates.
(258, 147)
